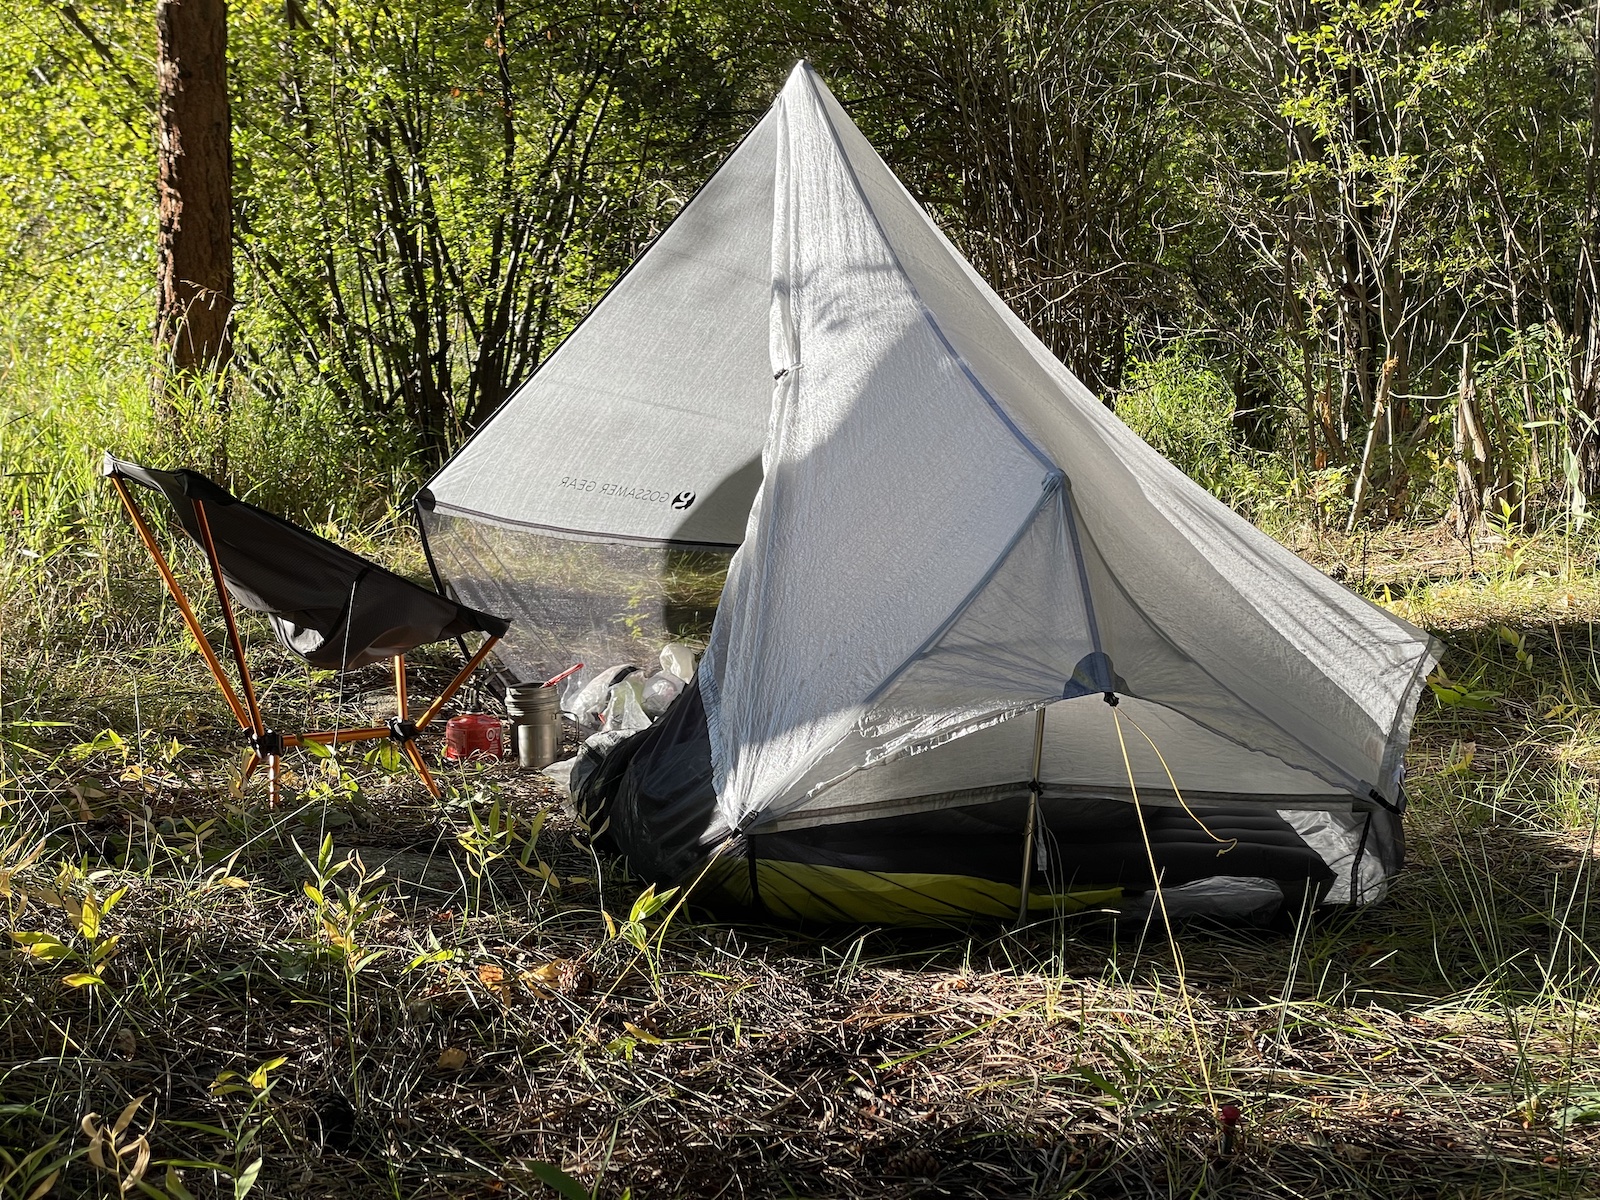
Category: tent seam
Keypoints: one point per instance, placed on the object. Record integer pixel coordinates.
(1071, 521)
(784, 385)
(927, 313)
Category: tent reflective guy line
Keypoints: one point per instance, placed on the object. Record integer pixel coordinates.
(929, 528)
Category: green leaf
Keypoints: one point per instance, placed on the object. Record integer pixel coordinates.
(246, 1179)
(1578, 1114)
(1454, 695)
(559, 1181)
(174, 1185)
(106, 739)
(1104, 1084)
(438, 956)
(386, 755)
(88, 917)
(258, 1077)
(83, 979)
(42, 945)
(366, 960)
(648, 903)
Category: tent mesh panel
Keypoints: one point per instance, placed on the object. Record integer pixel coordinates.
(571, 601)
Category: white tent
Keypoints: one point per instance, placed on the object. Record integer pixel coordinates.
(938, 530)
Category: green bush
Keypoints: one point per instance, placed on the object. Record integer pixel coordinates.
(1178, 402)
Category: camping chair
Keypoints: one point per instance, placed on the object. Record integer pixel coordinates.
(333, 608)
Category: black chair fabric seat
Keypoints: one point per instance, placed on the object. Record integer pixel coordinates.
(332, 607)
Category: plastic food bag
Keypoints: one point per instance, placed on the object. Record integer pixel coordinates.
(659, 693)
(678, 660)
(585, 702)
(625, 710)
(561, 774)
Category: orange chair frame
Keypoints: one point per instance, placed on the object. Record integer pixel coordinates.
(266, 744)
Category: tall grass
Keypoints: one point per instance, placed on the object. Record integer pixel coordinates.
(1178, 402)
(67, 555)
(454, 1000)
(1177, 398)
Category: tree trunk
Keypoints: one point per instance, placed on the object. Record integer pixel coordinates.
(194, 189)
(1583, 352)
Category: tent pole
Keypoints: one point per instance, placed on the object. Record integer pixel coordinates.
(1033, 819)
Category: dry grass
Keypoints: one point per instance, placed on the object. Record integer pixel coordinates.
(449, 1024)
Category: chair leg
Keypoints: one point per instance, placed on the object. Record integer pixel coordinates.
(455, 684)
(258, 724)
(415, 757)
(402, 700)
(182, 601)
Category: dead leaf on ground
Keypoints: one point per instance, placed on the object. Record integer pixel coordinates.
(452, 1058)
(494, 978)
(565, 976)
(83, 792)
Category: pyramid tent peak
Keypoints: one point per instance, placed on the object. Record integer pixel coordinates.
(931, 528)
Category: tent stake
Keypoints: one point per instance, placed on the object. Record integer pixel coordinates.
(1033, 819)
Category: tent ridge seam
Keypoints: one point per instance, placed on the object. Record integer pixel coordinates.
(604, 296)
(927, 313)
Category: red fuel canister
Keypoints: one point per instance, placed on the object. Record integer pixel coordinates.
(472, 734)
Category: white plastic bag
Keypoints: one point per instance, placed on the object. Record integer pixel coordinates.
(659, 693)
(678, 660)
(560, 773)
(586, 702)
(625, 710)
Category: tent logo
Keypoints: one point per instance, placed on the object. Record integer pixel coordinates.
(683, 500)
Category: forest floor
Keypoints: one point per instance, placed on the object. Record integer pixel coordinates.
(369, 993)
